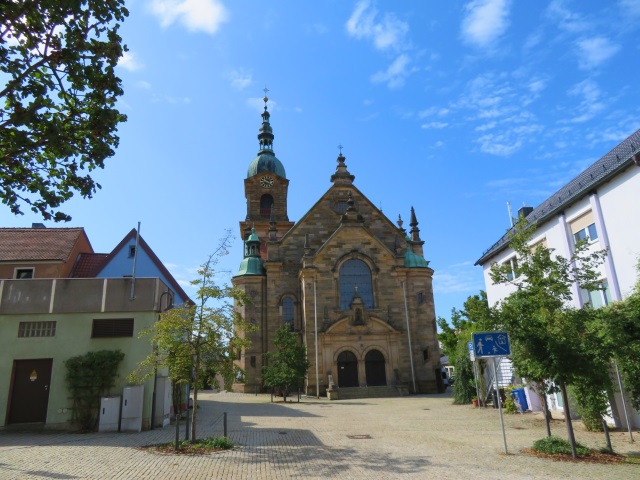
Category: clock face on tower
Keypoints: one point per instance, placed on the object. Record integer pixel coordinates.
(266, 181)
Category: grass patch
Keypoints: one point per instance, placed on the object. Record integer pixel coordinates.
(558, 449)
(200, 447)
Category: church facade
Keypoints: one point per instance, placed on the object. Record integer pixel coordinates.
(353, 285)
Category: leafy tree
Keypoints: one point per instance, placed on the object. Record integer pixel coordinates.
(548, 337)
(58, 119)
(476, 315)
(288, 364)
(194, 340)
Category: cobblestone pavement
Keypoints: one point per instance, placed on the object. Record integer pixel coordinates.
(418, 437)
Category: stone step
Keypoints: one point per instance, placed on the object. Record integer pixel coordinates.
(371, 392)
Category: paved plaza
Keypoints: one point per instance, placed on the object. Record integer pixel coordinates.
(418, 437)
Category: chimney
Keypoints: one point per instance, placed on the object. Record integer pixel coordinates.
(524, 211)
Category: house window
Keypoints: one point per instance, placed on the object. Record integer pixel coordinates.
(112, 328)
(288, 312)
(589, 233)
(132, 251)
(425, 355)
(584, 228)
(266, 203)
(596, 298)
(355, 277)
(513, 268)
(21, 273)
(37, 329)
(420, 298)
(253, 361)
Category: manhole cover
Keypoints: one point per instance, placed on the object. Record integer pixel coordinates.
(359, 437)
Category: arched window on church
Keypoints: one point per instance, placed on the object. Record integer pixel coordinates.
(355, 275)
(266, 203)
(288, 312)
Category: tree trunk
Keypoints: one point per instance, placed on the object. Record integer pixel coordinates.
(547, 413)
(567, 419)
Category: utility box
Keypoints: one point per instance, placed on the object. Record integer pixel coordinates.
(163, 402)
(109, 414)
(132, 400)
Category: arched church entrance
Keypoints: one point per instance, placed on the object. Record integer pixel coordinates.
(374, 368)
(347, 370)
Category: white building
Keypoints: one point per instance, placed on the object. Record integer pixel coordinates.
(601, 205)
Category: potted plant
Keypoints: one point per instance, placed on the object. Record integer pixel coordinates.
(474, 400)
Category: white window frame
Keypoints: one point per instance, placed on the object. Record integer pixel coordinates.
(17, 269)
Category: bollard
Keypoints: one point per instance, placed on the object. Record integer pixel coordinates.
(224, 423)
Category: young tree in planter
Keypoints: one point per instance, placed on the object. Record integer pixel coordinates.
(547, 336)
(196, 339)
(58, 120)
(288, 364)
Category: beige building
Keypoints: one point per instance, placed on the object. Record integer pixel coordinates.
(344, 277)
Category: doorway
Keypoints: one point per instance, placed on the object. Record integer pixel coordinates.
(374, 368)
(30, 391)
(347, 370)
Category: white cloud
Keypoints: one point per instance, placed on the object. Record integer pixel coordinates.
(129, 62)
(196, 15)
(388, 32)
(460, 277)
(437, 125)
(595, 50)
(240, 79)
(485, 21)
(143, 84)
(631, 7)
(396, 74)
(565, 18)
(591, 103)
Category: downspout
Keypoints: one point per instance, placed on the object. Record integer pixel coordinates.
(406, 312)
(315, 323)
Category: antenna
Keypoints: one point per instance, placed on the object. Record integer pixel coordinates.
(510, 213)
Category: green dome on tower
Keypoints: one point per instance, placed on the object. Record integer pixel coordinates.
(266, 161)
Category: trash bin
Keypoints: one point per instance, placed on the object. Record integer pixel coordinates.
(520, 398)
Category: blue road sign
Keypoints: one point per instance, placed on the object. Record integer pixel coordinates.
(472, 357)
(491, 344)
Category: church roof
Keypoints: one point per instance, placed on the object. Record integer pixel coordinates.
(266, 162)
(413, 260)
(610, 165)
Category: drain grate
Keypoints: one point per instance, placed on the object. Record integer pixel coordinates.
(359, 437)
(282, 433)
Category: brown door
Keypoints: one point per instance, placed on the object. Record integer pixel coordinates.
(30, 392)
(347, 370)
(374, 368)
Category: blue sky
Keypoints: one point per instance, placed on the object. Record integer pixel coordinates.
(453, 108)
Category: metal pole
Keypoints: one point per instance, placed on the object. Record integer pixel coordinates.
(135, 259)
(624, 403)
(504, 435)
(224, 424)
(406, 312)
(315, 326)
(475, 377)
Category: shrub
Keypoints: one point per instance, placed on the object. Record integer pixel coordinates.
(510, 403)
(556, 445)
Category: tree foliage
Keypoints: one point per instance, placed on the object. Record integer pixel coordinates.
(196, 341)
(475, 316)
(549, 339)
(58, 120)
(89, 377)
(287, 365)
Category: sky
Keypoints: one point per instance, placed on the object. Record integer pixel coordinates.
(454, 108)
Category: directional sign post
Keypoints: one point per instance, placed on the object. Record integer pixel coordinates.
(492, 345)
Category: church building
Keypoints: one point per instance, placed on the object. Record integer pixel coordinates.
(355, 287)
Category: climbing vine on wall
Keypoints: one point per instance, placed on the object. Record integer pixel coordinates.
(89, 377)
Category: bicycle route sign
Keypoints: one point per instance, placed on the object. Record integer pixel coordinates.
(491, 344)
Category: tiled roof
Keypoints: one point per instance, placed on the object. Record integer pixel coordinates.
(598, 173)
(38, 244)
(88, 265)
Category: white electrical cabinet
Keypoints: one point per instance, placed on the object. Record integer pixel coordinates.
(163, 402)
(132, 401)
(109, 414)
